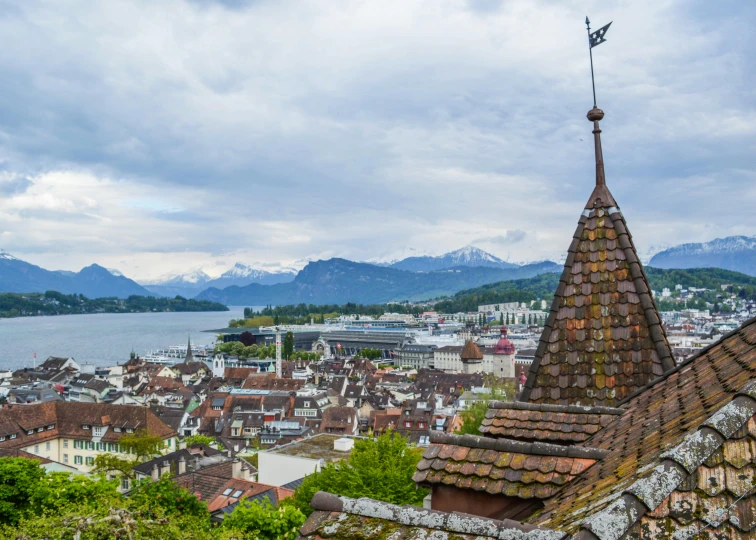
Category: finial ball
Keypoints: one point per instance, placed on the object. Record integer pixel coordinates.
(595, 114)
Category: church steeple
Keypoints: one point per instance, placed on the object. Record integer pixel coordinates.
(189, 356)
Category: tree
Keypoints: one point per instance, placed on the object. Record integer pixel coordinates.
(501, 319)
(19, 479)
(262, 520)
(473, 416)
(380, 469)
(288, 344)
(140, 446)
(247, 338)
(165, 496)
(191, 440)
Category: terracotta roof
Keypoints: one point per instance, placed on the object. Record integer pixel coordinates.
(669, 448)
(338, 417)
(68, 419)
(239, 372)
(501, 466)
(603, 338)
(471, 352)
(343, 518)
(532, 421)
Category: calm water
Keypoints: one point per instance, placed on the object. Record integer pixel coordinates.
(104, 339)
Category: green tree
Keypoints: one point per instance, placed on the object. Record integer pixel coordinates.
(198, 439)
(288, 344)
(19, 479)
(165, 497)
(472, 417)
(58, 490)
(501, 319)
(140, 446)
(262, 520)
(380, 469)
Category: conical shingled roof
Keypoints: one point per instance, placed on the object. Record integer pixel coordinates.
(603, 338)
(471, 352)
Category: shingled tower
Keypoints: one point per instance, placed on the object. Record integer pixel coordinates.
(603, 338)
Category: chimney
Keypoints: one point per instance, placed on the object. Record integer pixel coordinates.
(182, 465)
(236, 448)
(236, 469)
(155, 474)
(165, 467)
(196, 463)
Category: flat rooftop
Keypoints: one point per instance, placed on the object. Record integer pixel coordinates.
(318, 447)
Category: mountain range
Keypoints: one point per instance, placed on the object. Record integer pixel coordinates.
(93, 281)
(196, 281)
(340, 281)
(736, 253)
(467, 256)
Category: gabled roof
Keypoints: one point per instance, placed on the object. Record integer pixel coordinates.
(603, 338)
(501, 466)
(339, 518)
(686, 439)
(539, 422)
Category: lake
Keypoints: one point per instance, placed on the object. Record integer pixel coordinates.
(104, 339)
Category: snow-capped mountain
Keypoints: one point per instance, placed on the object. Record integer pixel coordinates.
(114, 272)
(466, 256)
(395, 257)
(7, 256)
(737, 253)
(242, 274)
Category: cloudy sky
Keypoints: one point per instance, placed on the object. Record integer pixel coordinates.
(156, 137)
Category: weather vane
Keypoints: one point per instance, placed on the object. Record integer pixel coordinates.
(595, 38)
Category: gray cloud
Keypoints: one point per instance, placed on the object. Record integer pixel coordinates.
(507, 239)
(272, 131)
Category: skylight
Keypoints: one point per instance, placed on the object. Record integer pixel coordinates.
(227, 492)
(237, 493)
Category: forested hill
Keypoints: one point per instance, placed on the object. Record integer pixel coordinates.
(55, 303)
(544, 285)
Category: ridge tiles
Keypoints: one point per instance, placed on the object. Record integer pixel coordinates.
(341, 517)
(603, 338)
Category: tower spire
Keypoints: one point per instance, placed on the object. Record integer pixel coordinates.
(601, 195)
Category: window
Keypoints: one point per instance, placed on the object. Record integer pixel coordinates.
(85, 426)
(117, 429)
(77, 460)
(40, 430)
(65, 443)
(2, 438)
(30, 432)
(51, 426)
(307, 404)
(125, 484)
(98, 431)
(90, 461)
(12, 436)
(408, 423)
(129, 430)
(36, 449)
(227, 492)
(65, 458)
(47, 446)
(237, 493)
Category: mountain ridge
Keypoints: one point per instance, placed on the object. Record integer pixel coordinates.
(736, 253)
(340, 280)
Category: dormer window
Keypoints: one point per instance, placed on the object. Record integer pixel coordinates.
(307, 404)
(117, 430)
(12, 436)
(51, 426)
(2, 438)
(129, 430)
(30, 432)
(85, 426)
(40, 430)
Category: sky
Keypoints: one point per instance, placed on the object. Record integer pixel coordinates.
(161, 137)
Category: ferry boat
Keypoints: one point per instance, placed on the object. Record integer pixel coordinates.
(176, 354)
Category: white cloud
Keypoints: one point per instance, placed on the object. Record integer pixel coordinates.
(171, 135)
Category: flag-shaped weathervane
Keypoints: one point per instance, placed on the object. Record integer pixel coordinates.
(595, 38)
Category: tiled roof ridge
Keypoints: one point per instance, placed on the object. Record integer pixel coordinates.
(414, 516)
(546, 407)
(688, 361)
(640, 281)
(520, 447)
(676, 464)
